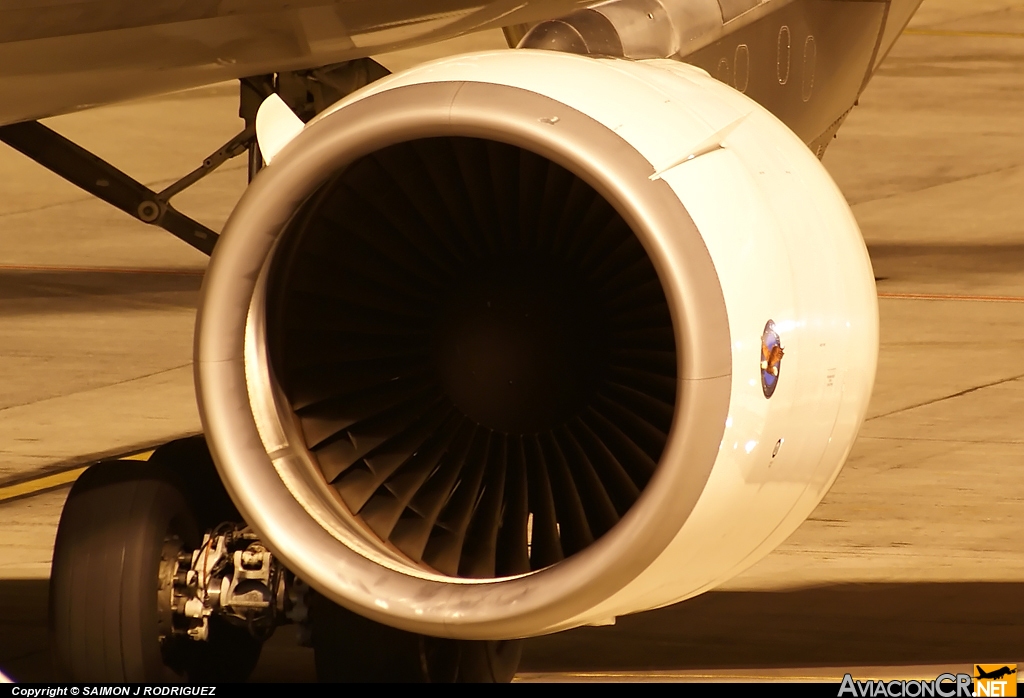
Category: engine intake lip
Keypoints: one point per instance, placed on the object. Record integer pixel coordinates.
(284, 496)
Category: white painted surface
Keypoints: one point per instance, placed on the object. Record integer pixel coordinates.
(786, 248)
(276, 126)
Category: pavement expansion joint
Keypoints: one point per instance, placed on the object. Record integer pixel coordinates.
(960, 393)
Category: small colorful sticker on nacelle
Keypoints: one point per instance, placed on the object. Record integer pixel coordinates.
(771, 359)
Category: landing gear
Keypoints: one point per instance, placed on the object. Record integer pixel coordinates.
(122, 522)
(350, 648)
(155, 579)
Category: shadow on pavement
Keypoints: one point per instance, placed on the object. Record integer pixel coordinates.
(843, 625)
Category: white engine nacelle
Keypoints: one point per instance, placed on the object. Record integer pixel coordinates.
(520, 341)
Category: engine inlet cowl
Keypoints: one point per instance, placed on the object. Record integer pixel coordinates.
(478, 352)
(465, 359)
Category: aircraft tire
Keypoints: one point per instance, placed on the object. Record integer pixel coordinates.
(190, 461)
(350, 648)
(103, 606)
(231, 653)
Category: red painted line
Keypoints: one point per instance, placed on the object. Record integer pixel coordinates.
(964, 34)
(101, 270)
(200, 272)
(950, 297)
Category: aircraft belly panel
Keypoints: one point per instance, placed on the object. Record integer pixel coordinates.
(54, 61)
(20, 21)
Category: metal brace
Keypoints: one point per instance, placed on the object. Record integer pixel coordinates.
(307, 92)
(104, 181)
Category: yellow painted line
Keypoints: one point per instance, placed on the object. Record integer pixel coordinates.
(54, 480)
(45, 482)
(975, 35)
(101, 270)
(950, 297)
(136, 456)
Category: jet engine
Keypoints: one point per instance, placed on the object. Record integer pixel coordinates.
(520, 341)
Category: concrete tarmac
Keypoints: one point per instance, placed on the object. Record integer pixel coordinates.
(913, 563)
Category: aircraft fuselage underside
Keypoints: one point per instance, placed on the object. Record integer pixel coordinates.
(805, 60)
